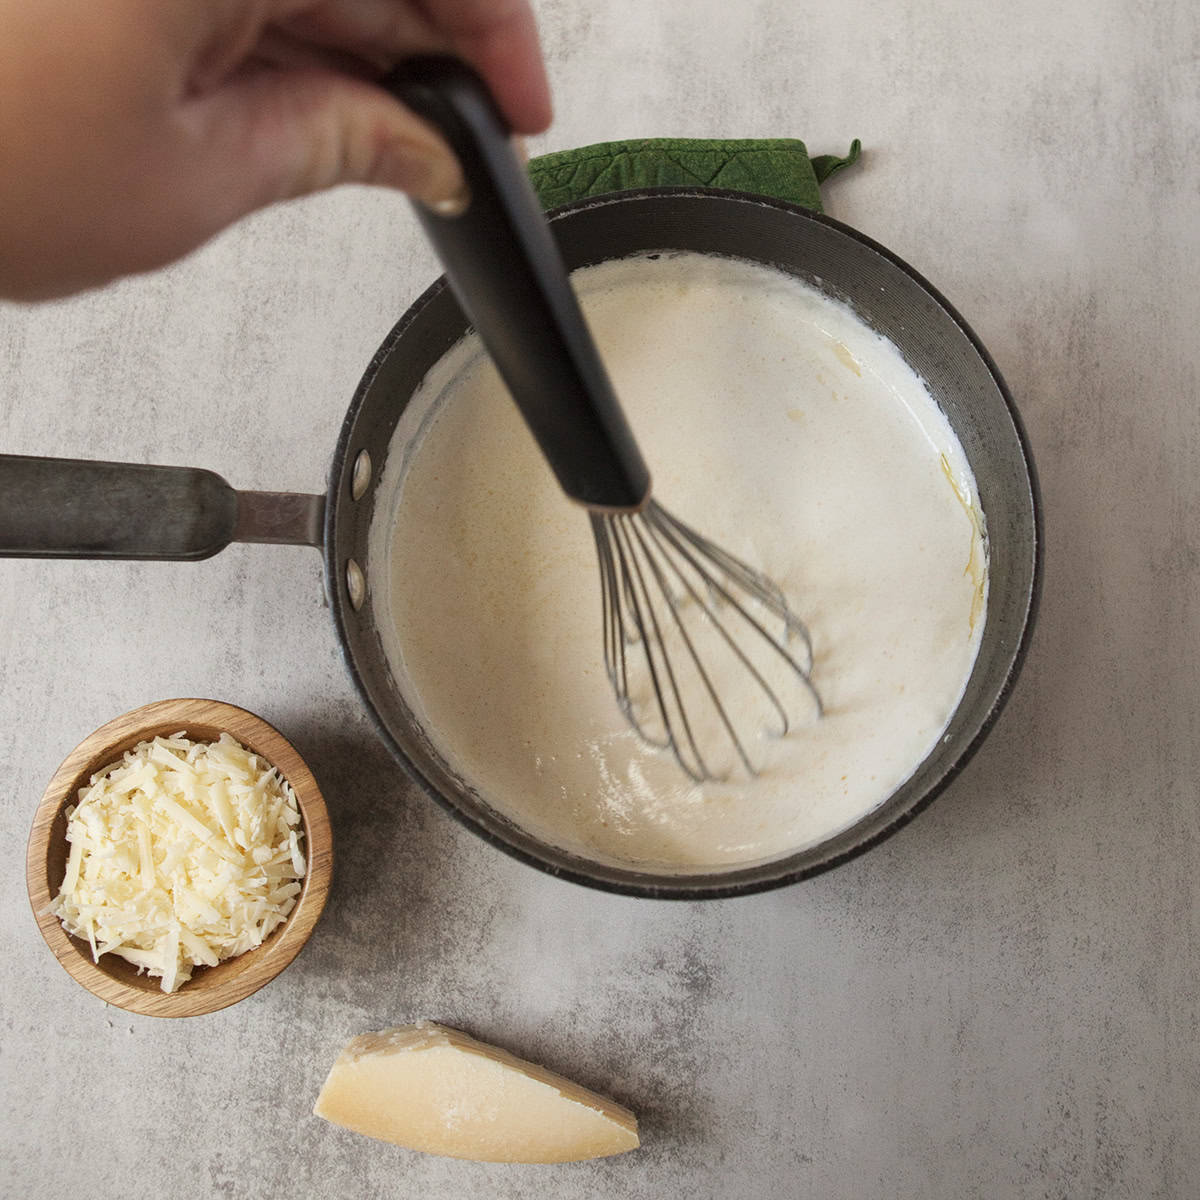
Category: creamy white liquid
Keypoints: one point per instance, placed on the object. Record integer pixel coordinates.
(779, 425)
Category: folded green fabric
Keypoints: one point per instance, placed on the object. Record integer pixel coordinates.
(778, 167)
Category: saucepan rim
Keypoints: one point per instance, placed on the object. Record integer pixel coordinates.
(705, 884)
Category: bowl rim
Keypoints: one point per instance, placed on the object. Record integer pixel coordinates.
(256, 967)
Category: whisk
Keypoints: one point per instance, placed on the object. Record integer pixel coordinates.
(683, 619)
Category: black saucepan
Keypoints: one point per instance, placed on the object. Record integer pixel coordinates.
(54, 507)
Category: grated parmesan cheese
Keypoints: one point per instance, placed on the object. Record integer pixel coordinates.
(182, 854)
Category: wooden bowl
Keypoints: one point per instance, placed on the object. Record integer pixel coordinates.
(211, 988)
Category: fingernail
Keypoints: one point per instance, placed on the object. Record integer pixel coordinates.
(430, 174)
(451, 206)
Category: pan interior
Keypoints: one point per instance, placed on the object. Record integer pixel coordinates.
(391, 412)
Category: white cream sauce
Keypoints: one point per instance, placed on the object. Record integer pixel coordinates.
(779, 425)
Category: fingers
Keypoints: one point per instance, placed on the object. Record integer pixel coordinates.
(276, 134)
(314, 122)
(497, 37)
(195, 114)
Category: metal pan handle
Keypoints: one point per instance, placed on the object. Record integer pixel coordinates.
(507, 273)
(68, 508)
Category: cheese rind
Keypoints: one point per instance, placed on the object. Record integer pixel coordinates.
(431, 1088)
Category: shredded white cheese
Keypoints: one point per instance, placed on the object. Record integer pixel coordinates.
(183, 853)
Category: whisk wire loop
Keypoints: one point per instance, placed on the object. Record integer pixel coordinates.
(651, 565)
(660, 536)
(757, 586)
(614, 639)
(637, 564)
(701, 770)
(754, 583)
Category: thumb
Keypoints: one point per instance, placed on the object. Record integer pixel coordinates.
(272, 134)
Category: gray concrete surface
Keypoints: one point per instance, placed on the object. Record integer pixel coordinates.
(999, 1002)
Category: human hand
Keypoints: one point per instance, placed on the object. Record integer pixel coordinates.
(133, 130)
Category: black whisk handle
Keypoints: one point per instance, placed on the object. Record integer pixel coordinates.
(507, 273)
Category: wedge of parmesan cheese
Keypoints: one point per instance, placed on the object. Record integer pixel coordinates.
(431, 1088)
(183, 853)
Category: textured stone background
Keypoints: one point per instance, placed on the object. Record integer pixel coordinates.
(999, 1002)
